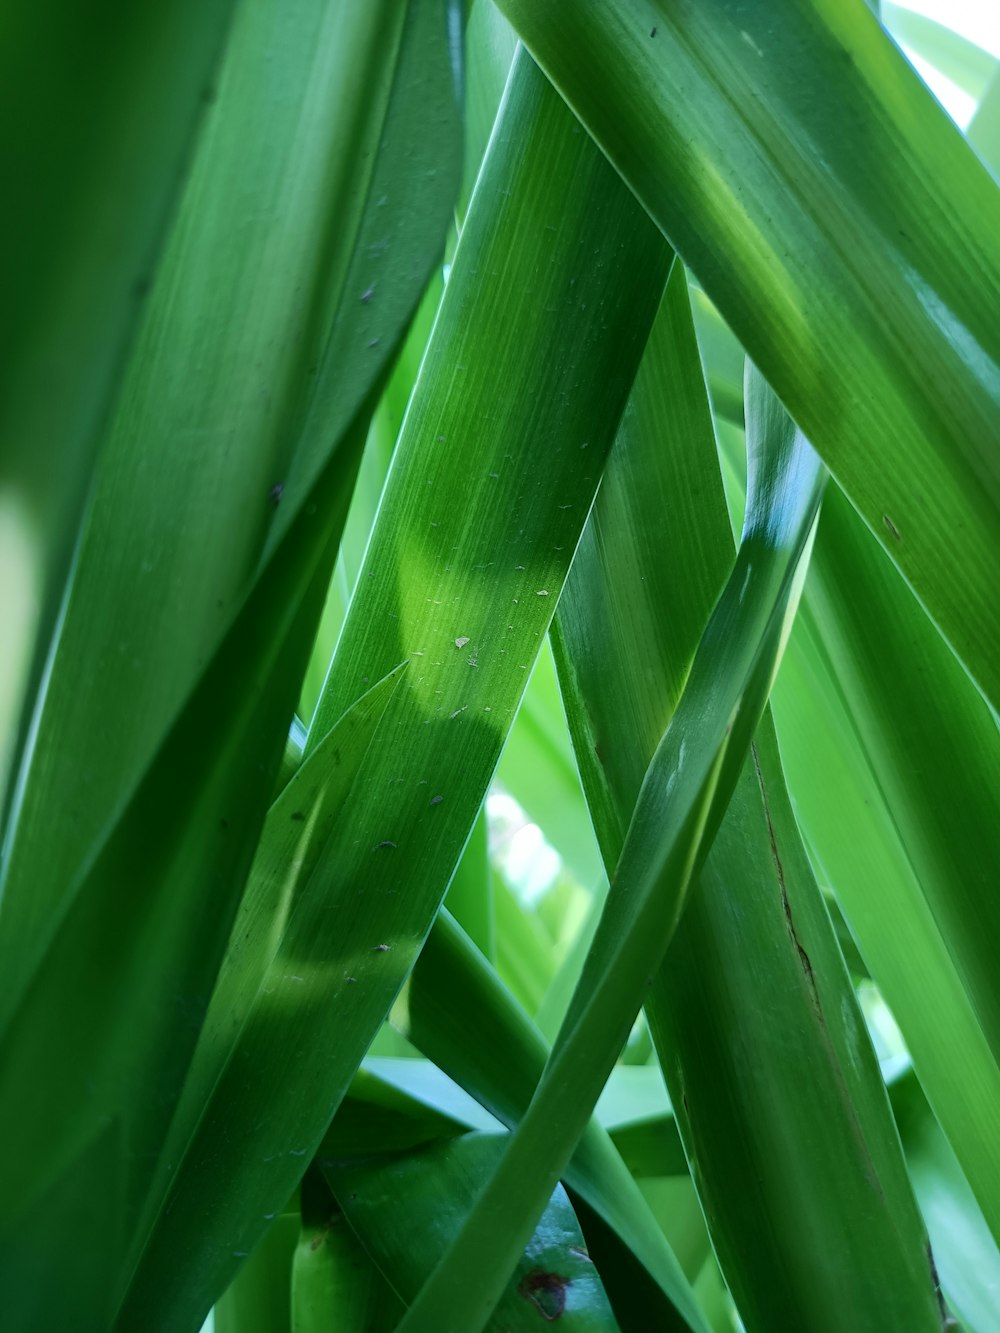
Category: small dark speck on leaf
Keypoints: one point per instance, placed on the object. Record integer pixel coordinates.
(546, 1291)
(891, 527)
(652, 32)
(276, 492)
(385, 843)
(297, 816)
(436, 800)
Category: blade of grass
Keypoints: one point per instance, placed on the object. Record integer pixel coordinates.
(872, 707)
(965, 1253)
(470, 893)
(299, 202)
(792, 1147)
(130, 932)
(831, 242)
(984, 128)
(958, 59)
(683, 797)
(459, 1013)
(769, 1054)
(279, 904)
(98, 111)
(538, 769)
(424, 587)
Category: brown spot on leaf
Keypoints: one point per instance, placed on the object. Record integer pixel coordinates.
(546, 1291)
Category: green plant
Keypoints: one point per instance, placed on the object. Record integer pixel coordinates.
(312, 539)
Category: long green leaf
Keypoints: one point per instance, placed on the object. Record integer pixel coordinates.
(804, 172)
(256, 1010)
(872, 707)
(777, 1092)
(192, 822)
(97, 115)
(456, 1010)
(958, 59)
(984, 128)
(539, 771)
(75, 923)
(683, 797)
(425, 586)
(792, 1148)
(966, 1255)
(326, 172)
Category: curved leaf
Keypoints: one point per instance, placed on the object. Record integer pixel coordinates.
(424, 587)
(98, 110)
(683, 798)
(803, 171)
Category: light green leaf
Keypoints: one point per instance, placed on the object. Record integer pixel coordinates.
(310, 187)
(424, 587)
(456, 1010)
(755, 1020)
(958, 59)
(872, 707)
(966, 1255)
(984, 128)
(683, 798)
(159, 758)
(129, 932)
(265, 999)
(825, 229)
